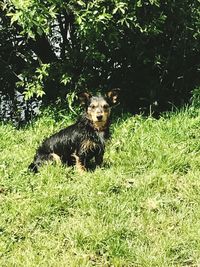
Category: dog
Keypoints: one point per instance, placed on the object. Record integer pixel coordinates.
(82, 141)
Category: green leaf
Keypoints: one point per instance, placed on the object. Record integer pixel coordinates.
(65, 79)
(81, 3)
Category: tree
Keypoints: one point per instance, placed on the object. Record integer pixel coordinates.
(149, 48)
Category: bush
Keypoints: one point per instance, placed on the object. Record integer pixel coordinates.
(147, 48)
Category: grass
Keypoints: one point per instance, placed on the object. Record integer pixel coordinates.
(141, 209)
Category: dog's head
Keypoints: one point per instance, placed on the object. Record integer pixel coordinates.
(98, 107)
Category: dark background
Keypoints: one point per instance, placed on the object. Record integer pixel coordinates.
(150, 50)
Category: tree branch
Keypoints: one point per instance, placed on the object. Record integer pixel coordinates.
(42, 49)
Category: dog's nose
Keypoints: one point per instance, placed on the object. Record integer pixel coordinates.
(99, 117)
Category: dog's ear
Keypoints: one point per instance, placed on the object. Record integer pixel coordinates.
(84, 98)
(113, 96)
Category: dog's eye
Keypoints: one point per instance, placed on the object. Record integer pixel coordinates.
(92, 106)
(106, 106)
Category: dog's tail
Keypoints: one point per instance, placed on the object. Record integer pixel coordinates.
(39, 158)
(33, 167)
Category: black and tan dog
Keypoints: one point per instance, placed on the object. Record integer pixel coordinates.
(82, 141)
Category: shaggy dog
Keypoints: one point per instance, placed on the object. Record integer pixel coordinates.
(82, 141)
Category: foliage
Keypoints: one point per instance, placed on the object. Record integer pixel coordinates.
(149, 48)
(195, 100)
(140, 209)
(35, 84)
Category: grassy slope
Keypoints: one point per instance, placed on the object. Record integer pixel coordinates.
(141, 209)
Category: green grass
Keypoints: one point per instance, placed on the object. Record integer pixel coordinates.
(141, 209)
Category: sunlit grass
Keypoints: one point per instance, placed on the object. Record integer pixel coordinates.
(142, 208)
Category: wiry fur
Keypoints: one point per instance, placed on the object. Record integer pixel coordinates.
(82, 141)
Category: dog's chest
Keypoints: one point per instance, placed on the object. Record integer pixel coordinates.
(93, 143)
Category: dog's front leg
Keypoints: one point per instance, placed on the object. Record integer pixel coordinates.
(99, 159)
(80, 162)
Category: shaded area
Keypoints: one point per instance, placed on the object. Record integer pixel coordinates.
(149, 50)
(17, 110)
